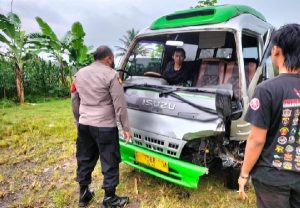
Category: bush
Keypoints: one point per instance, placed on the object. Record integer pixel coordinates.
(5, 103)
(40, 79)
(7, 80)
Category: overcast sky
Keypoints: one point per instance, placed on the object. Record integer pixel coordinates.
(105, 21)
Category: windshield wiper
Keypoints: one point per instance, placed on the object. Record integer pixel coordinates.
(168, 91)
(164, 90)
(205, 109)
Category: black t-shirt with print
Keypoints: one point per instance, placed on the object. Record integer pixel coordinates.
(275, 106)
(177, 77)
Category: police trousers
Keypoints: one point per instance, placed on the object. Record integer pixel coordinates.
(92, 143)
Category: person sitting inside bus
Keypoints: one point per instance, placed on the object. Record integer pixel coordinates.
(177, 71)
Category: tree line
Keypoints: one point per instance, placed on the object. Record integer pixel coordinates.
(19, 60)
(22, 69)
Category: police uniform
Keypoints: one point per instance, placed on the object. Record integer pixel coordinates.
(97, 102)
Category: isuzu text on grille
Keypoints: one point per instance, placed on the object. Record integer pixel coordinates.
(159, 104)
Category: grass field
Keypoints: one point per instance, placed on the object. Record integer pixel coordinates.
(37, 167)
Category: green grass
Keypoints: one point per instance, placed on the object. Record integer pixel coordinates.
(38, 167)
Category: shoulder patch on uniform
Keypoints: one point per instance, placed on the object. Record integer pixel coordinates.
(73, 87)
(255, 104)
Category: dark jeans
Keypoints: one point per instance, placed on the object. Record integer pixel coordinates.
(268, 196)
(93, 142)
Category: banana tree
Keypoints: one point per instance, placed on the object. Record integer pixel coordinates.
(78, 52)
(18, 46)
(70, 46)
(52, 45)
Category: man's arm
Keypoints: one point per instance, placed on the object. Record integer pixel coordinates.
(255, 143)
(75, 103)
(120, 106)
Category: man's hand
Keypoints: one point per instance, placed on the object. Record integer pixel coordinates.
(127, 136)
(242, 183)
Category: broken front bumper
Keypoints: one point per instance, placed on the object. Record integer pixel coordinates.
(178, 172)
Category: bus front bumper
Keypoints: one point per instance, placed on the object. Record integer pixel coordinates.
(162, 166)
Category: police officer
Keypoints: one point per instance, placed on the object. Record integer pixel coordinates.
(97, 102)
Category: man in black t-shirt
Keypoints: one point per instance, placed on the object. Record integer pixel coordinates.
(272, 154)
(177, 71)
